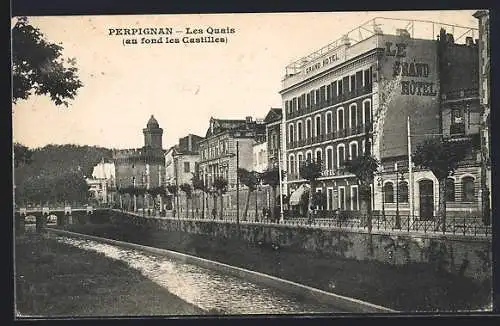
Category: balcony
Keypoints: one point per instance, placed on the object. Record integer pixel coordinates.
(341, 133)
(457, 129)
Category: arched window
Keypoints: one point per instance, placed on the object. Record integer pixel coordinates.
(290, 134)
(353, 115)
(340, 119)
(292, 164)
(308, 128)
(319, 155)
(328, 122)
(329, 158)
(300, 161)
(340, 155)
(450, 189)
(353, 150)
(403, 192)
(468, 193)
(299, 130)
(318, 126)
(309, 156)
(389, 192)
(367, 111)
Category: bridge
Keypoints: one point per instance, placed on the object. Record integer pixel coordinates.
(64, 215)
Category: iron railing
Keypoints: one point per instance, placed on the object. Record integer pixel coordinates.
(471, 226)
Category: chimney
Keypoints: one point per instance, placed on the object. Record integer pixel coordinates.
(469, 41)
(248, 119)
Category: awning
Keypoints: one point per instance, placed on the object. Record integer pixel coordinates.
(297, 194)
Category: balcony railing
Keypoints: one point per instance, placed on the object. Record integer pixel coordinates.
(336, 134)
(330, 102)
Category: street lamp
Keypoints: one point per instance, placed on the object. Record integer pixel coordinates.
(380, 181)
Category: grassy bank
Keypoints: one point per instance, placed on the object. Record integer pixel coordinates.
(54, 279)
(413, 287)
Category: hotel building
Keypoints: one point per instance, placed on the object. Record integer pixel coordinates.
(358, 92)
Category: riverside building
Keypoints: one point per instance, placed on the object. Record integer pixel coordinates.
(359, 92)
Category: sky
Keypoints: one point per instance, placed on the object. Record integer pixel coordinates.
(182, 85)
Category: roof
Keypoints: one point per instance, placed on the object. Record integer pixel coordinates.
(274, 114)
(219, 125)
(153, 123)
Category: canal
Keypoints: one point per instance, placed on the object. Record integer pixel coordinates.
(207, 289)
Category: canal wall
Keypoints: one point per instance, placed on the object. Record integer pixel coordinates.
(457, 254)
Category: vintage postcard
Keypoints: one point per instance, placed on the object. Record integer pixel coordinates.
(321, 163)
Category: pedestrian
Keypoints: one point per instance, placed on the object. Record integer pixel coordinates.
(214, 213)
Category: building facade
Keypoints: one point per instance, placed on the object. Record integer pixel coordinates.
(103, 182)
(484, 96)
(353, 96)
(142, 167)
(260, 157)
(228, 145)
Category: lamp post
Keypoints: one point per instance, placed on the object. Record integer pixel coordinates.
(381, 183)
(398, 218)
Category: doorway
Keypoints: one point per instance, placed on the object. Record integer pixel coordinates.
(426, 189)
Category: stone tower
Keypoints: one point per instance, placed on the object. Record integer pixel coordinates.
(153, 134)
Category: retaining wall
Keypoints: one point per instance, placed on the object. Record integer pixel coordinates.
(457, 254)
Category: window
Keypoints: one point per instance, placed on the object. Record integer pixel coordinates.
(322, 94)
(388, 193)
(334, 89)
(318, 126)
(328, 92)
(468, 193)
(300, 160)
(354, 198)
(340, 89)
(450, 189)
(316, 96)
(329, 158)
(290, 133)
(342, 198)
(367, 112)
(309, 156)
(308, 128)
(308, 100)
(328, 122)
(366, 79)
(292, 164)
(353, 115)
(299, 130)
(353, 83)
(186, 167)
(353, 150)
(319, 155)
(340, 118)
(403, 192)
(340, 155)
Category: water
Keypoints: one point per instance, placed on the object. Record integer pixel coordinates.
(207, 289)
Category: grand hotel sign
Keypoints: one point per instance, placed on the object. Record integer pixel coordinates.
(326, 61)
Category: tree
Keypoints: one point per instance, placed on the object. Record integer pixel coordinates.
(364, 168)
(22, 155)
(311, 171)
(271, 177)
(155, 192)
(38, 66)
(442, 158)
(250, 180)
(199, 184)
(220, 185)
(188, 190)
(173, 190)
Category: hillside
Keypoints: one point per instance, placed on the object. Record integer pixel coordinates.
(57, 170)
